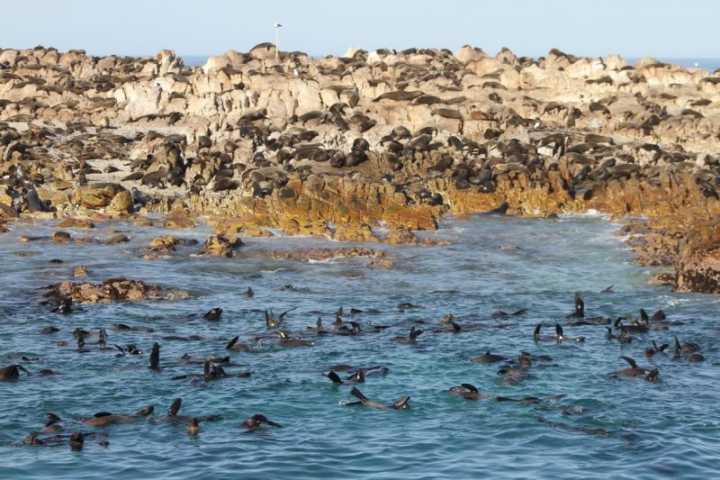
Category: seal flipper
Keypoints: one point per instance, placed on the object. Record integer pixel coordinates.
(283, 314)
(264, 419)
(559, 331)
(358, 394)
(232, 343)
(334, 377)
(644, 316)
(155, 357)
(536, 332)
(175, 407)
(630, 361)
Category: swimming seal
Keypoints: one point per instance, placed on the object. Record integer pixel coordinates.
(411, 338)
(632, 328)
(403, 403)
(450, 327)
(624, 336)
(53, 424)
(558, 337)
(318, 329)
(76, 441)
(193, 427)
(287, 341)
(579, 307)
(690, 351)
(213, 315)
(104, 419)
(488, 357)
(12, 372)
(466, 391)
(212, 372)
(236, 346)
(518, 371)
(685, 348)
(357, 377)
(634, 371)
(258, 420)
(653, 349)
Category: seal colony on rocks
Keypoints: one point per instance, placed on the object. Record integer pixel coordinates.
(369, 147)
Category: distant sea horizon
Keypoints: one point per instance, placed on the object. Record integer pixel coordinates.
(710, 64)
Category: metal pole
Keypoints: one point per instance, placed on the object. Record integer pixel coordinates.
(277, 42)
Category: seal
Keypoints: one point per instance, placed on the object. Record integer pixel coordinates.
(213, 315)
(558, 337)
(12, 372)
(357, 377)
(76, 441)
(632, 328)
(211, 372)
(685, 348)
(318, 329)
(173, 416)
(653, 349)
(403, 403)
(193, 427)
(104, 419)
(466, 391)
(624, 336)
(579, 307)
(488, 357)
(634, 371)
(235, 345)
(53, 424)
(411, 338)
(253, 423)
(517, 372)
(689, 351)
(287, 341)
(449, 326)
(349, 331)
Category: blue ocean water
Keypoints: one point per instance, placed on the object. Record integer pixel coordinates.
(602, 427)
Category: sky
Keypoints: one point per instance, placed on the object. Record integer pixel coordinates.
(634, 28)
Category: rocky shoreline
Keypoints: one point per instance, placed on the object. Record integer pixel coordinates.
(371, 146)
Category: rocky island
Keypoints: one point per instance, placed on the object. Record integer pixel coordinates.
(370, 146)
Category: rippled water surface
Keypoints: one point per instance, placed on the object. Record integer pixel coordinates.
(613, 428)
